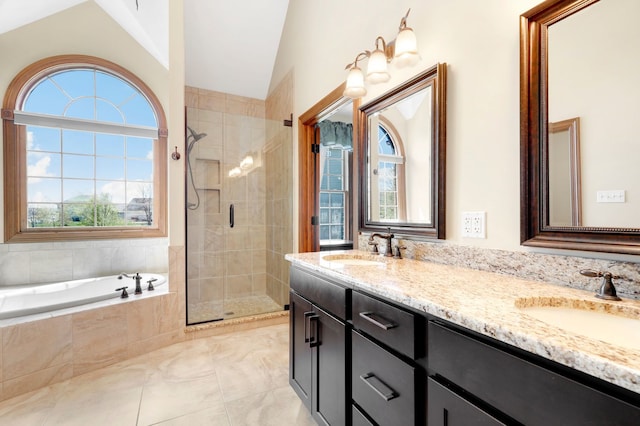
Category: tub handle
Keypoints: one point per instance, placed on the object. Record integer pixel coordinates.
(124, 294)
(150, 284)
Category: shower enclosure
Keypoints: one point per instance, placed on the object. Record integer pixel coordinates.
(226, 210)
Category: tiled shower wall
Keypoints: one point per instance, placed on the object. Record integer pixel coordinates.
(224, 261)
(279, 195)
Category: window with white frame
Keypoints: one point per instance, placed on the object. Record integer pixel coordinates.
(388, 161)
(334, 188)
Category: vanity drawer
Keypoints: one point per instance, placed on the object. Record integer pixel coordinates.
(447, 408)
(393, 326)
(527, 392)
(382, 385)
(359, 419)
(322, 292)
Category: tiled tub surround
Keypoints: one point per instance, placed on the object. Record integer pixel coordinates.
(46, 348)
(485, 302)
(553, 269)
(37, 263)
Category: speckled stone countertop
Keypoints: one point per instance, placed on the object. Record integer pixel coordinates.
(491, 304)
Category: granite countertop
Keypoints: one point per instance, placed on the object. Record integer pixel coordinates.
(490, 304)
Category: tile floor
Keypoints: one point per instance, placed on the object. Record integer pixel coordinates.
(232, 308)
(232, 379)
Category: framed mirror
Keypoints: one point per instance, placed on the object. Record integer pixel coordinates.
(402, 158)
(579, 58)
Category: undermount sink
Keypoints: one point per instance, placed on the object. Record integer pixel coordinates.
(614, 323)
(354, 259)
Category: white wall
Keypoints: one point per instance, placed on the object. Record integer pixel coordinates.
(87, 29)
(479, 40)
(480, 43)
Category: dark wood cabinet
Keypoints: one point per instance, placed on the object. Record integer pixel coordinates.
(358, 359)
(521, 388)
(387, 381)
(318, 350)
(447, 408)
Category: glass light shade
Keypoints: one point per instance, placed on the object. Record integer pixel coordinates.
(377, 68)
(246, 163)
(355, 84)
(406, 48)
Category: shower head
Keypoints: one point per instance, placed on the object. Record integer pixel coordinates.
(195, 138)
(194, 135)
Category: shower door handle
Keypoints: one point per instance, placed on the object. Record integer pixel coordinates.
(231, 216)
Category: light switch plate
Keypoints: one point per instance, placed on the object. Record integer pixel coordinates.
(611, 196)
(474, 224)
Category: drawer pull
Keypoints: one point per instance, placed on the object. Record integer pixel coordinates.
(378, 321)
(378, 386)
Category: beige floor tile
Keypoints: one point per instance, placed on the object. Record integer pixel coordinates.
(212, 416)
(273, 408)
(232, 379)
(168, 398)
(29, 409)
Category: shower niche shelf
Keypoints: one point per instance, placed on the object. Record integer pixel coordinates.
(207, 174)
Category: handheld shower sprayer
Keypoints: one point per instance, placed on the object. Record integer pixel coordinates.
(191, 140)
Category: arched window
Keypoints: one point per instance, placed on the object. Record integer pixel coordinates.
(390, 177)
(85, 150)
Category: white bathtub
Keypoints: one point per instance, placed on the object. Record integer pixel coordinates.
(28, 300)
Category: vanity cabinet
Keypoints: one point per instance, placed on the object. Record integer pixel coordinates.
(491, 379)
(319, 346)
(387, 381)
(359, 359)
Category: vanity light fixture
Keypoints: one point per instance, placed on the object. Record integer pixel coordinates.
(403, 50)
(355, 79)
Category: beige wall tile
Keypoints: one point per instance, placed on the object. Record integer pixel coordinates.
(100, 337)
(34, 346)
(36, 380)
(237, 286)
(1, 365)
(212, 101)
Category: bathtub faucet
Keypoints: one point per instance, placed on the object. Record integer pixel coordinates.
(136, 277)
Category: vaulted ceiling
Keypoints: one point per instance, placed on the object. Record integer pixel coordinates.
(230, 45)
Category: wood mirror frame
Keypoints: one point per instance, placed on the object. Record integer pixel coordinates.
(435, 76)
(534, 222)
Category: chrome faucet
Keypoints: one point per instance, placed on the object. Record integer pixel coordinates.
(136, 277)
(388, 236)
(607, 290)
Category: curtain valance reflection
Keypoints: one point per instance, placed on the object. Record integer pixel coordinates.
(336, 134)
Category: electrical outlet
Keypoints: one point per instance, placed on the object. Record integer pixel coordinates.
(473, 224)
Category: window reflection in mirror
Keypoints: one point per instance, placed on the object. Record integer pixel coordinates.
(402, 161)
(335, 135)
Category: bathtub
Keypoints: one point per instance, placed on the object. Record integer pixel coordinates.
(28, 300)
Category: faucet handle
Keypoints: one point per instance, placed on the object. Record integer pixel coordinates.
(124, 294)
(398, 254)
(150, 284)
(374, 248)
(595, 274)
(607, 290)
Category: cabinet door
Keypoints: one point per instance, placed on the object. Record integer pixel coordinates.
(300, 359)
(329, 373)
(449, 409)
